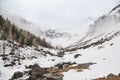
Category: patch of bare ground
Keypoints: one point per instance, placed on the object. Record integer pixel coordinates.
(65, 67)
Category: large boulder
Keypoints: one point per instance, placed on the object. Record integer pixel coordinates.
(111, 75)
(17, 75)
(36, 72)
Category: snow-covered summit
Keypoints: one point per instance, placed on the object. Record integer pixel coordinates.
(54, 34)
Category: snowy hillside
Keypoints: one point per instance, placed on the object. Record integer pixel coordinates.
(105, 55)
(106, 23)
(95, 54)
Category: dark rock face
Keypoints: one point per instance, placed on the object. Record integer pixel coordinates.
(17, 75)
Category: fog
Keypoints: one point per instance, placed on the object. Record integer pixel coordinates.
(59, 13)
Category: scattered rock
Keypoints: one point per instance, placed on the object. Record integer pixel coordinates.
(53, 59)
(111, 44)
(100, 47)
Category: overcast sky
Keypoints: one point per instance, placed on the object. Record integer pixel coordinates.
(69, 13)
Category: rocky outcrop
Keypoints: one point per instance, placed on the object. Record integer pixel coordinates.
(38, 73)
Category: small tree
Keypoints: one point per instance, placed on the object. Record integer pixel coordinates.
(30, 41)
(22, 40)
(1, 21)
(13, 29)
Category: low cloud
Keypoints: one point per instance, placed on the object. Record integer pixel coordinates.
(67, 13)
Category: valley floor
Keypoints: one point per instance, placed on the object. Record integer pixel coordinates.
(105, 56)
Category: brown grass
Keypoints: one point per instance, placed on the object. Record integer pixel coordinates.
(59, 72)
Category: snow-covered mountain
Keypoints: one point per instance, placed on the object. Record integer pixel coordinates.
(55, 34)
(60, 39)
(103, 26)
